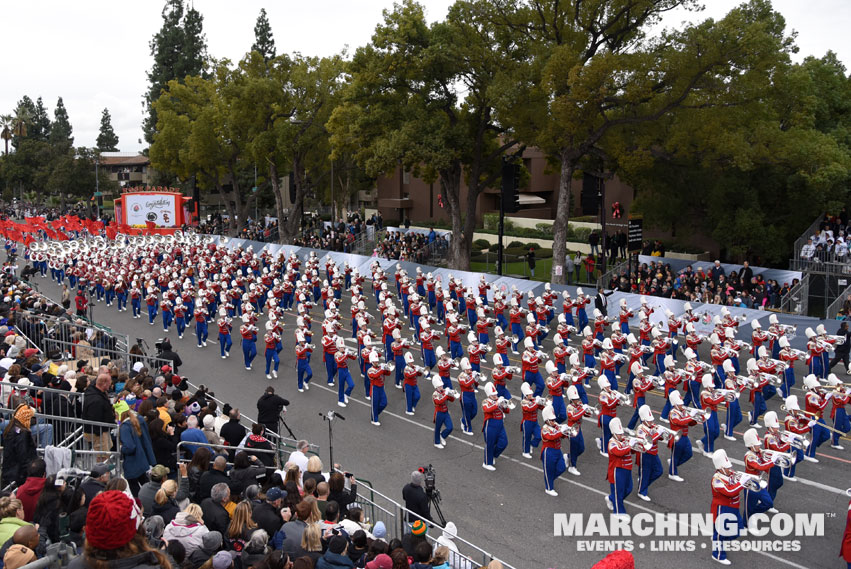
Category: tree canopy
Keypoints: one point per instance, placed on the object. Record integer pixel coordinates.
(107, 139)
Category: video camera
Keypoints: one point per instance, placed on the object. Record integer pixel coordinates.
(429, 478)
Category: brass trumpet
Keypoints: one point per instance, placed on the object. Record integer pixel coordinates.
(730, 395)
(569, 431)
(698, 415)
(795, 440)
(389, 366)
(781, 459)
(591, 411)
(668, 434)
(750, 481)
(636, 443)
(624, 399)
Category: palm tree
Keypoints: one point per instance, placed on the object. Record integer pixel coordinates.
(7, 127)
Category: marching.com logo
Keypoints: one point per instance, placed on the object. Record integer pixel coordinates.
(778, 532)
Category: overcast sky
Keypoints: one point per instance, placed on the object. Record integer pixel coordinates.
(94, 53)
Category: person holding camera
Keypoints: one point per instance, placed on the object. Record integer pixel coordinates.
(167, 353)
(416, 499)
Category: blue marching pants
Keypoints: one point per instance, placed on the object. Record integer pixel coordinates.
(775, 481)
(649, 469)
(272, 356)
(559, 408)
(496, 440)
(620, 489)
(633, 421)
(577, 447)
(731, 528)
(469, 409)
(201, 332)
(379, 402)
(553, 461)
(607, 433)
(225, 344)
(249, 351)
(799, 456)
(531, 435)
(535, 379)
(820, 436)
(756, 503)
(152, 313)
(330, 367)
(711, 430)
(305, 374)
(734, 417)
(681, 454)
(345, 384)
(442, 426)
(758, 408)
(412, 397)
(840, 423)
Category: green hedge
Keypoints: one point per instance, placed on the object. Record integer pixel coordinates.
(482, 243)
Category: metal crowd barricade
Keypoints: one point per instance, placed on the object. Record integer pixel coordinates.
(70, 433)
(796, 301)
(74, 399)
(379, 507)
(218, 449)
(122, 341)
(835, 306)
(282, 444)
(73, 351)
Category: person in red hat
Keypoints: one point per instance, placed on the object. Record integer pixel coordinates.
(112, 534)
(381, 561)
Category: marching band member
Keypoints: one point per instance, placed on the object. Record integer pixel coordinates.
(366, 351)
(718, 354)
(329, 348)
(588, 347)
(774, 443)
(681, 451)
(576, 412)
(689, 317)
(709, 401)
(552, 458)
(775, 333)
(609, 402)
(660, 345)
(560, 353)
(453, 334)
(530, 405)
(756, 502)
(579, 305)
(271, 339)
(841, 398)
(442, 420)
(427, 337)
(827, 344)
(180, 317)
(376, 379)
(641, 385)
(302, 352)
(673, 377)
(390, 324)
(726, 488)
(693, 340)
(815, 349)
(767, 366)
(734, 409)
(674, 324)
(515, 315)
(815, 402)
(567, 309)
(563, 329)
(600, 322)
(135, 300)
(444, 364)
(397, 348)
(412, 390)
(645, 328)
(201, 330)
(624, 316)
(531, 359)
(494, 409)
(649, 465)
(249, 343)
(788, 356)
(500, 374)
(758, 336)
(532, 329)
(502, 344)
(797, 423)
(732, 346)
(578, 377)
(555, 385)
(468, 385)
(634, 354)
(607, 364)
(758, 383)
(345, 383)
(619, 340)
(475, 350)
(619, 472)
(151, 301)
(225, 326)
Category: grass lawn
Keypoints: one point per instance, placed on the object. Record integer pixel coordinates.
(543, 269)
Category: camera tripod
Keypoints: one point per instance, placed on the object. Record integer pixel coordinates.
(434, 500)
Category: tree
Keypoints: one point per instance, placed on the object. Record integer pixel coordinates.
(422, 98)
(264, 43)
(40, 125)
(7, 124)
(60, 129)
(592, 71)
(107, 139)
(179, 50)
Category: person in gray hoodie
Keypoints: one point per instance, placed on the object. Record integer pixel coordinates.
(187, 529)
